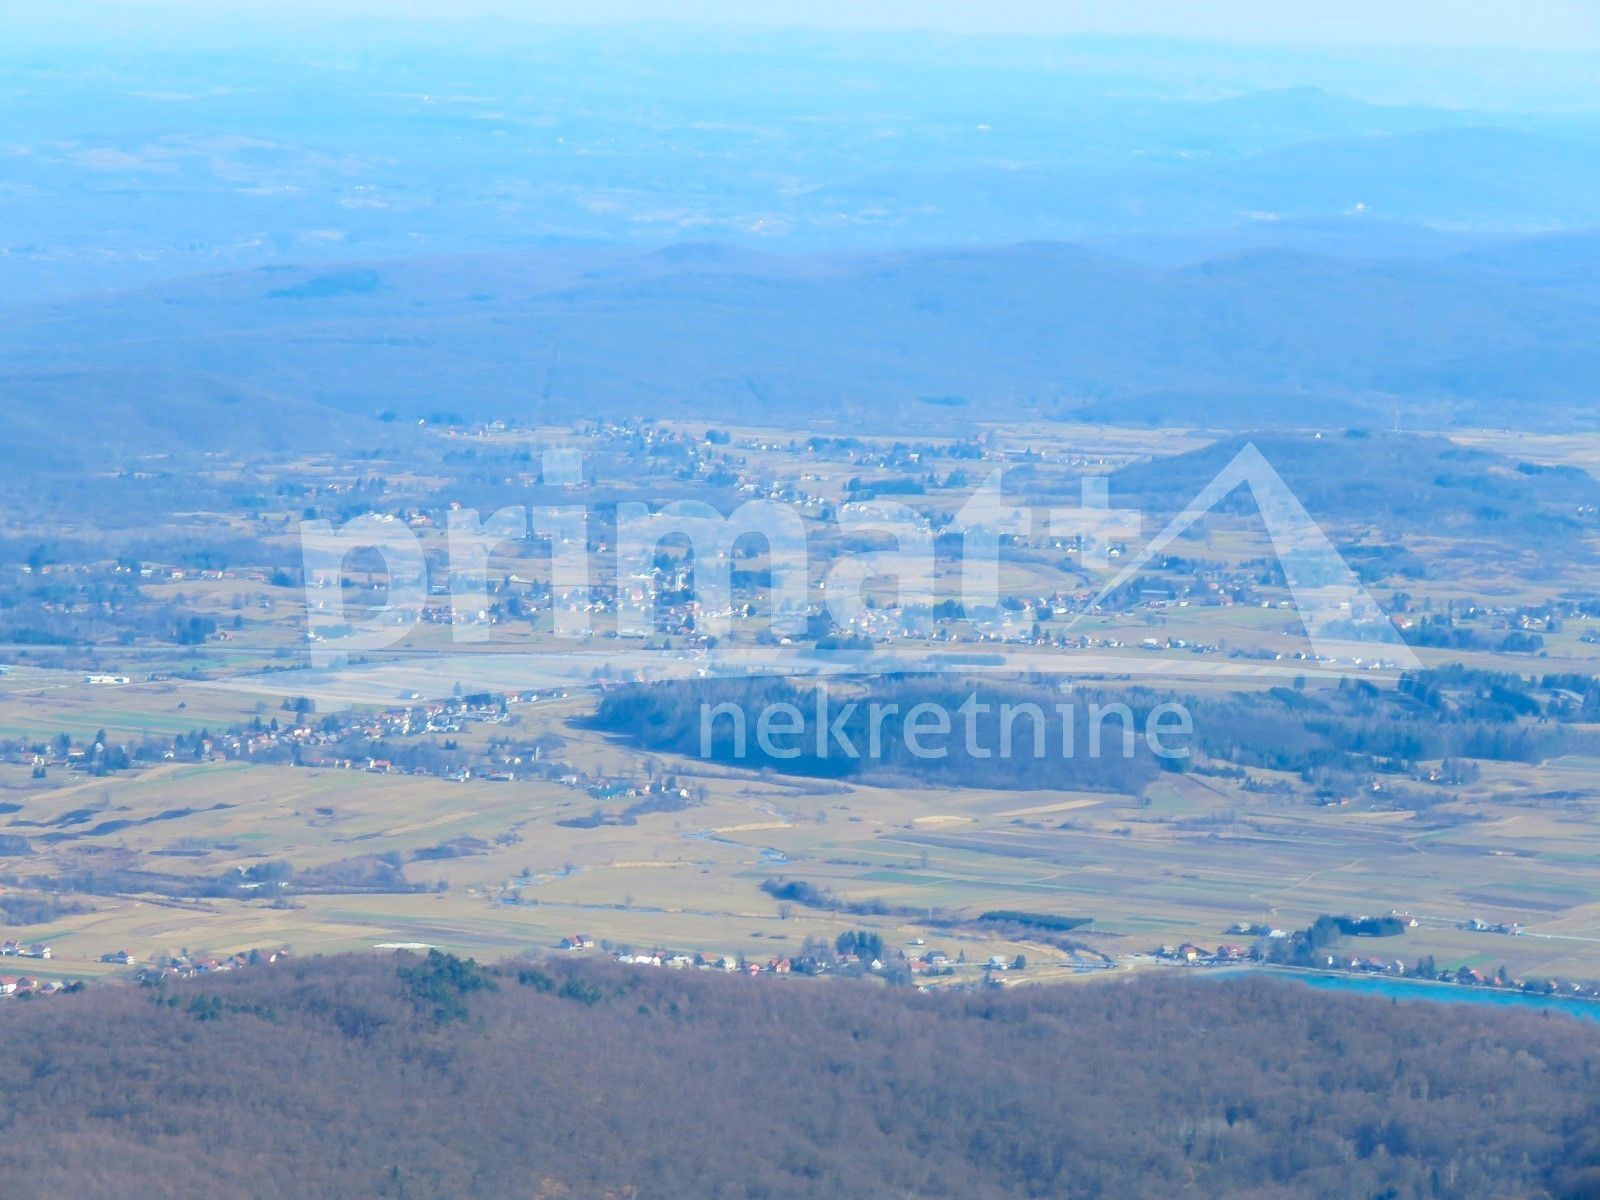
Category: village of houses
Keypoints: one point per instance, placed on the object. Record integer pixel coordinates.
(168, 966)
(916, 965)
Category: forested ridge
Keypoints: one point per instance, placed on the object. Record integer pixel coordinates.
(434, 1077)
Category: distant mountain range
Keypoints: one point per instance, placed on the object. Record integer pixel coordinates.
(1503, 333)
(467, 218)
(187, 147)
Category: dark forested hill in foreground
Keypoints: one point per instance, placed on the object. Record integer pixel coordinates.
(427, 1078)
(932, 339)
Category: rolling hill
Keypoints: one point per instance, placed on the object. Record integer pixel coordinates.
(1260, 336)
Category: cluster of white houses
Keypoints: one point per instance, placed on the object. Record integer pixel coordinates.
(15, 949)
(28, 985)
(186, 966)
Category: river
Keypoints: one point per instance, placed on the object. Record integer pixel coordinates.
(1418, 989)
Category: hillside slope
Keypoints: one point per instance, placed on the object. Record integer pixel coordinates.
(433, 1078)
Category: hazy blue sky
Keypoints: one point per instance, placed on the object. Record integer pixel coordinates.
(1551, 24)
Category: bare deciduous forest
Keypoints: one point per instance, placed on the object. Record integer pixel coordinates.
(434, 1077)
